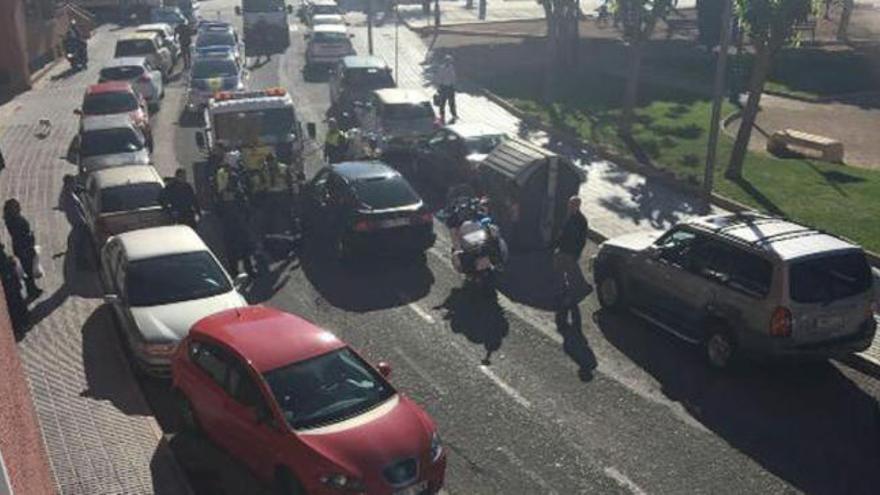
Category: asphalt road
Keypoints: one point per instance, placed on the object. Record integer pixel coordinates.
(527, 404)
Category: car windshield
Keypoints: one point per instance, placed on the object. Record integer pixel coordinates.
(130, 48)
(233, 126)
(368, 79)
(385, 192)
(130, 197)
(483, 145)
(329, 37)
(210, 68)
(327, 389)
(168, 16)
(175, 278)
(214, 38)
(109, 103)
(408, 111)
(110, 141)
(325, 9)
(121, 73)
(262, 5)
(829, 278)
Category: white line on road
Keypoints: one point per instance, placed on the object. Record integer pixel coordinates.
(424, 375)
(624, 481)
(421, 312)
(512, 392)
(532, 475)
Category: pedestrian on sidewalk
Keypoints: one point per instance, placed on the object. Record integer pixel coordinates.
(2, 161)
(446, 88)
(179, 200)
(18, 311)
(24, 244)
(567, 251)
(184, 36)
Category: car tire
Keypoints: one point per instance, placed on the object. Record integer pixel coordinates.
(609, 292)
(287, 484)
(720, 347)
(188, 420)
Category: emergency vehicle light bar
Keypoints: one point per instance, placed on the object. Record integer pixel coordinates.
(240, 95)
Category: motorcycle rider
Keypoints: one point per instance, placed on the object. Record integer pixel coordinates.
(75, 45)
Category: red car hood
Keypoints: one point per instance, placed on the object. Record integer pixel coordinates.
(366, 444)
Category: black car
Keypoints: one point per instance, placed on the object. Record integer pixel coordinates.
(353, 80)
(366, 207)
(451, 155)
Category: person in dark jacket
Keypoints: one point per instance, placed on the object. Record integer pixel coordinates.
(2, 161)
(23, 244)
(568, 248)
(18, 311)
(179, 199)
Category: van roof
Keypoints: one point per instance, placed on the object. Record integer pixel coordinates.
(160, 241)
(127, 174)
(783, 238)
(401, 96)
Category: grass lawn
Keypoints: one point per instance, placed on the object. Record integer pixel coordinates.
(671, 133)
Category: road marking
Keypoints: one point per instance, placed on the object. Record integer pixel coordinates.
(421, 312)
(424, 375)
(516, 461)
(512, 392)
(623, 480)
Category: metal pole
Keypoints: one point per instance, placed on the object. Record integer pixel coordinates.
(715, 123)
(370, 26)
(396, 37)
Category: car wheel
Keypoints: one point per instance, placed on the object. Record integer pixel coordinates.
(720, 348)
(287, 484)
(188, 419)
(610, 292)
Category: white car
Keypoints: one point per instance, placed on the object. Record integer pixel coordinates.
(146, 45)
(210, 74)
(327, 45)
(166, 36)
(106, 141)
(143, 77)
(328, 20)
(121, 199)
(160, 281)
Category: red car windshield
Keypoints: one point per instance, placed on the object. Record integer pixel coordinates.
(327, 389)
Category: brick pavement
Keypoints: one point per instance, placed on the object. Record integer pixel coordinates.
(98, 429)
(615, 200)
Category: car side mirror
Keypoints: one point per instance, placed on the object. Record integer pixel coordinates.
(240, 280)
(384, 369)
(111, 298)
(200, 140)
(78, 112)
(311, 130)
(237, 10)
(653, 252)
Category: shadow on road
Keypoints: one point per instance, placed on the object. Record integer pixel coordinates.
(807, 423)
(480, 320)
(570, 325)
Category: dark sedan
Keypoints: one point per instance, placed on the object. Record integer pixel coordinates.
(451, 155)
(367, 207)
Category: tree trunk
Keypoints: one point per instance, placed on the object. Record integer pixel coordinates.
(845, 16)
(631, 92)
(760, 71)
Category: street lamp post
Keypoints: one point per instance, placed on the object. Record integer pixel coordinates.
(718, 91)
(370, 26)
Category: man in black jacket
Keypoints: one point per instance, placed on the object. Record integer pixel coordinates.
(179, 199)
(568, 248)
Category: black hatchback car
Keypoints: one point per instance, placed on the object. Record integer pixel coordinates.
(367, 207)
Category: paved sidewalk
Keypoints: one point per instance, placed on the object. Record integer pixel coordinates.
(615, 200)
(455, 12)
(99, 431)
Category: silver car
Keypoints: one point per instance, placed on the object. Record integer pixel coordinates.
(144, 78)
(397, 118)
(109, 141)
(744, 284)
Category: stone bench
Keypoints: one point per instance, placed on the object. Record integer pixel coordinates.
(830, 150)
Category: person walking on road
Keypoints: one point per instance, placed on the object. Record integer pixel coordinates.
(335, 143)
(567, 251)
(179, 200)
(184, 37)
(446, 88)
(18, 311)
(2, 161)
(24, 244)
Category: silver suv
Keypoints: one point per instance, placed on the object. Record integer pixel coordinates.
(744, 284)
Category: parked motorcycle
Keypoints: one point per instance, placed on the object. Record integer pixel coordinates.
(478, 250)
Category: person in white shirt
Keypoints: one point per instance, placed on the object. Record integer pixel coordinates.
(446, 88)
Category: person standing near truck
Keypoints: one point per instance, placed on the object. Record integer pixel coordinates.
(184, 36)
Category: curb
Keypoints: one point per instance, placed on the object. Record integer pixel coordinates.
(484, 34)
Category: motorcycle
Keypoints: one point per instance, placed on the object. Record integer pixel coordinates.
(75, 51)
(479, 252)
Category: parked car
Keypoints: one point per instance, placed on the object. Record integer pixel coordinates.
(452, 154)
(167, 37)
(211, 74)
(353, 80)
(159, 282)
(367, 207)
(147, 45)
(328, 20)
(212, 35)
(319, 7)
(121, 199)
(397, 118)
(301, 409)
(326, 45)
(116, 98)
(169, 15)
(744, 284)
(109, 141)
(140, 73)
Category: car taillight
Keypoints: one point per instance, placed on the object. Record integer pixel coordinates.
(364, 226)
(780, 322)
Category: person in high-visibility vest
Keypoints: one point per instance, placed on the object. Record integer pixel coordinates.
(277, 206)
(335, 142)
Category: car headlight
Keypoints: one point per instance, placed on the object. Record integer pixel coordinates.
(343, 482)
(436, 447)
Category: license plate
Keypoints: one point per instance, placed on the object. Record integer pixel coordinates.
(829, 322)
(414, 489)
(484, 263)
(394, 222)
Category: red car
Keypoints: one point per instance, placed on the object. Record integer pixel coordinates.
(302, 409)
(117, 97)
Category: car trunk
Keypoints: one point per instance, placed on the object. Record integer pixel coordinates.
(125, 221)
